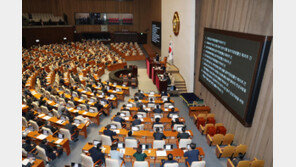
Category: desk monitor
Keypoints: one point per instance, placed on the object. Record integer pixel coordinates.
(73, 164)
(63, 118)
(168, 147)
(120, 145)
(45, 132)
(140, 116)
(135, 128)
(122, 114)
(96, 142)
(60, 136)
(144, 146)
(113, 126)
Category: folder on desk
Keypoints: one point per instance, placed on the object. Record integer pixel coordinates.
(60, 121)
(75, 111)
(41, 136)
(161, 153)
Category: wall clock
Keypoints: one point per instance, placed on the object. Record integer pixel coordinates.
(176, 23)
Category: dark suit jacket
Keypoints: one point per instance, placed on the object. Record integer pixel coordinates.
(109, 133)
(53, 129)
(136, 122)
(168, 161)
(183, 135)
(158, 110)
(118, 119)
(192, 156)
(158, 136)
(71, 128)
(96, 155)
(48, 149)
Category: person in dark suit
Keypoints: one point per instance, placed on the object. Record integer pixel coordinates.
(136, 121)
(168, 100)
(48, 125)
(172, 112)
(96, 154)
(164, 93)
(117, 118)
(109, 132)
(73, 130)
(141, 109)
(236, 160)
(41, 101)
(176, 121)
(29, 147)
(157, 110)
(158, 135)
(136, 102)
(67, 114)
(51, 152)
(30, 115)
(183, 134)
(139, 94)
(192, 154)
(170, 160)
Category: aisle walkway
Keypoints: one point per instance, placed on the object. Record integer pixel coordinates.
(146, 85)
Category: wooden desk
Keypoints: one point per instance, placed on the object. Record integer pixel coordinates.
(94, 117)
(37, 163)
(199, 110)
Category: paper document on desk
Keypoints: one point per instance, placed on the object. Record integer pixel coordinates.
(126, 118)
(41, 115)
(49, 101)
(122, 151)
(60, 121)
(58, 141)
(71, 108)
(46, 117)
(161, 153)
(25, 161)
(41, 136)
(75, 111)
(85, 112)
(23, 105)
(116, 131)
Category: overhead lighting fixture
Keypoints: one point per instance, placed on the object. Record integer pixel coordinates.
(37, 40)
(65, 38)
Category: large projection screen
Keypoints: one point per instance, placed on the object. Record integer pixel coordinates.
(232, 68)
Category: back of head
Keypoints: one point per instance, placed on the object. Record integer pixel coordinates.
(130, 133)
(170, 157)
(139, 150)
(114, 147)
(157, 129)
(135, 117)
(108, 127)
(192, 146)
(118, 114)
(177, 120)
(157, 120)
(241, 155)
(183, 129)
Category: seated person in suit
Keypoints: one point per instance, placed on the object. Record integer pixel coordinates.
(29, 115)
(192, 154)
(168, 100)
(99, 106)
(157, 122)
(164, 93)
(129, 135)
(176, 121)
(183, 134)
(73, 130)
(172, 112)
(137, 103)
(114, 154)
(118, 118)
(124, 108)
(157, 110)
(141, 109)
(236, 160)
(170, 160)
(109, 132)
(139, 155)
(139, 94)
(96, 154)
(29, 146)
(136, 121)
(151, 100)
(158, 135)
(51, 152)
(48, 125)
(67, 114)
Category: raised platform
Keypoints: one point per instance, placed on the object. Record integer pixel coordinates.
(179, 81)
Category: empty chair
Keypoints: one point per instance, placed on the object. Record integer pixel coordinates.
(55, 113)
(93, 99)
(88, 89)
(35, 105)
(244, 164)
(34, 125)
(70, 104)
(171, 165)
(197, 164)
(24, 122)
(74, 94)
(131, 143)
(83, 107)
(113, 163)
(257, 163)
(93, 109)
(49, 132)
(227, 151)
(41, 153)
(86, 161)
(217, 139)
(184, 142)
(84, 97)
(141, 164)
(158, 144)
(106, 140)
(66, 133)
(228, 139)
(44, 110)
(204, 130)
(62, 101)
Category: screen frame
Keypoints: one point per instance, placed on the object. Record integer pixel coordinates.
(154, 44)
(265, 43)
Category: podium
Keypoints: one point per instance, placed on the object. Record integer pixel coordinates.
(161, 84)
(155, 72)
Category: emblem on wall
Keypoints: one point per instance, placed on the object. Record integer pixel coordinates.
(176, 23)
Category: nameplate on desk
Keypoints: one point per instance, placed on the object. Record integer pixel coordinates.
(161, 153)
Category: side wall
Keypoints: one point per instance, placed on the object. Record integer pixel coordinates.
(184, 43)
(251, 17)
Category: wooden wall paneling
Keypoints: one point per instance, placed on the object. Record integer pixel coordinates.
(248, 16)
